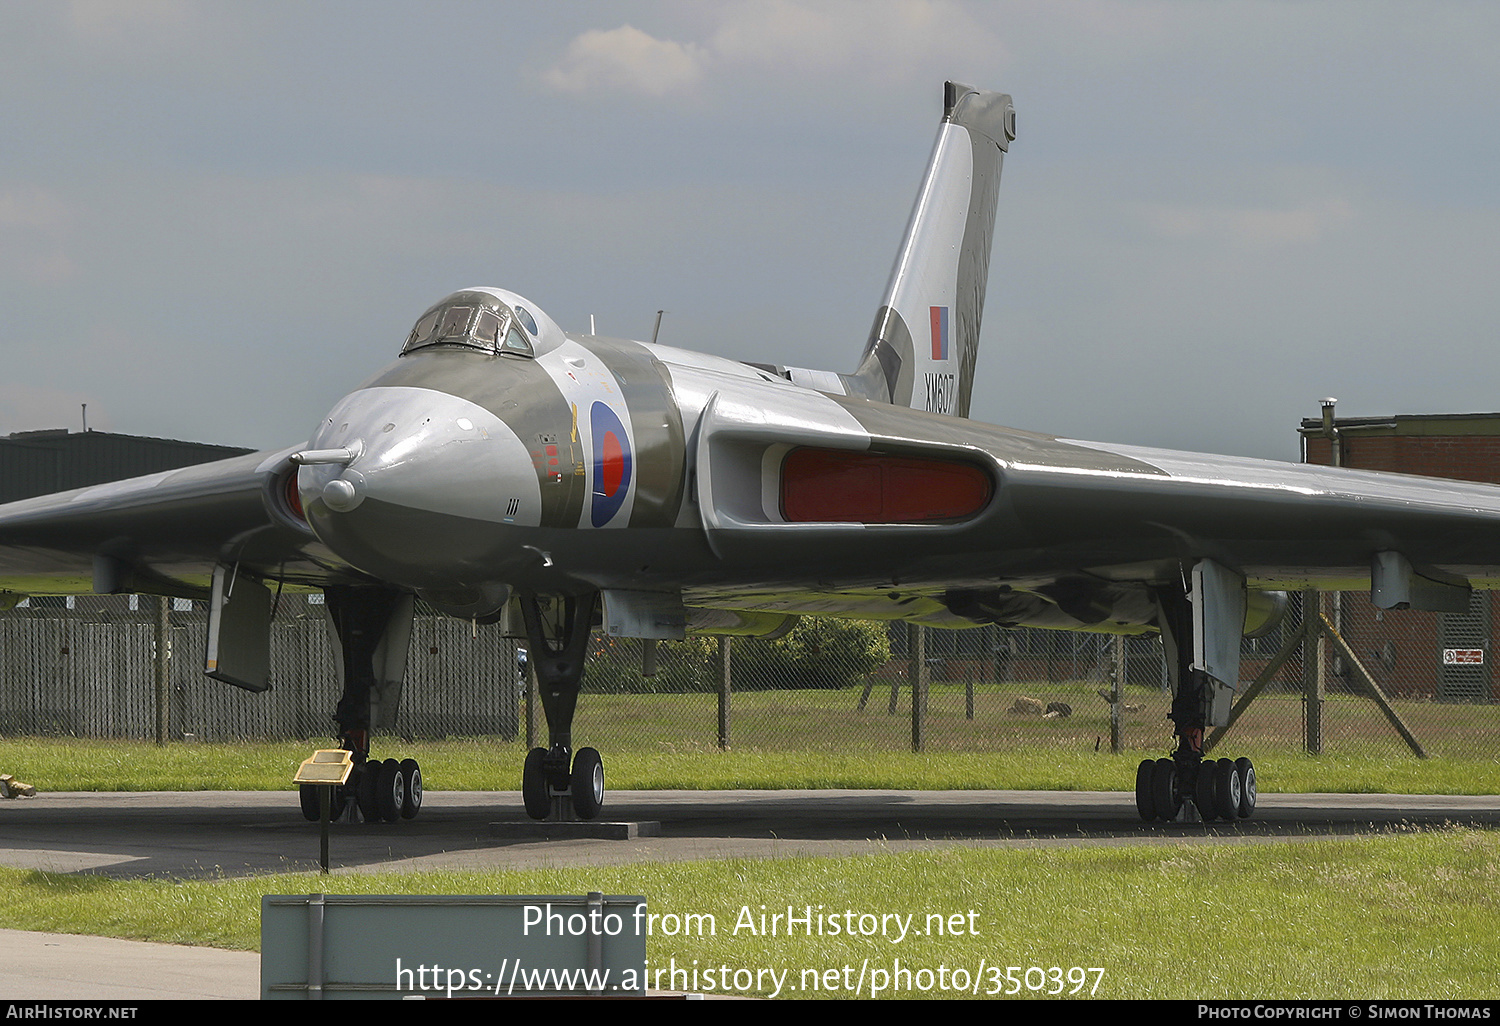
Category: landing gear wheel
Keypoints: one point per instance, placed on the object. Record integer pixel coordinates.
(1203, 792)
(1226, 789)
(588, 783)
(366, 789)
(1164, 790)
(390, 790)
(1144, 803)
(307, 794)
(1245, 770)
(411, 779)
(534, 785)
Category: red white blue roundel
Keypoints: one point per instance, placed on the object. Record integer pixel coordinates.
(612, 464)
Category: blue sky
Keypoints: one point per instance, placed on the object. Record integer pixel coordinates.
(217, 218)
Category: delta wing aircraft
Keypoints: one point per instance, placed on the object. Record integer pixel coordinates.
(504, 470)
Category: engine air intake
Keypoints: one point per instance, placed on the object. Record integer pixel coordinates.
(843, 486)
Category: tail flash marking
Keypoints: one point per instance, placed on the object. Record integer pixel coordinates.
(939, 332)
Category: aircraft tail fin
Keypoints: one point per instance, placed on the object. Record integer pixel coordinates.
(925, 339)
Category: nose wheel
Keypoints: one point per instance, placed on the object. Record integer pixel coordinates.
(588, 783)
(582, 793)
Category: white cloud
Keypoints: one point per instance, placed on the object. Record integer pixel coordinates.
(626, 58)
(880, 40)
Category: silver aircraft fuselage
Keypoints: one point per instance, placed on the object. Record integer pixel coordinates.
(611, 464)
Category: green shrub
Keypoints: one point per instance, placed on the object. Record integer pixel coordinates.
(819, 652)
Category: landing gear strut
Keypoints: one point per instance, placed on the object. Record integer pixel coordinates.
(555, 780)
(1200, 624)
(373, 629)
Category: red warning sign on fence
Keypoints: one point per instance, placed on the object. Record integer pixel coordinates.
(1463, 657)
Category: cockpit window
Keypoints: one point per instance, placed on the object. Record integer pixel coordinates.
(472, 320)
(422, 333)
(515, 342)
(455, 322)
(487, 326)
(524, 316)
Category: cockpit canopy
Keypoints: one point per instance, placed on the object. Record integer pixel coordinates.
(476, 320)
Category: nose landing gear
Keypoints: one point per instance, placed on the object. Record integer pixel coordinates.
(581, 796)
(556, 782)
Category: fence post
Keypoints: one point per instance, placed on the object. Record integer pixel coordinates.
(1314, 655)
(917, 652)
(162, 665)
(724, 682)
(1118, 694)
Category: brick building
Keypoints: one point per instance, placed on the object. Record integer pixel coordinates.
(1419, 654)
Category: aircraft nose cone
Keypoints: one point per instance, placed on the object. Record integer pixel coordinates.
(417, 486)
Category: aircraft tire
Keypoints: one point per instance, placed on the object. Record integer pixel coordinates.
(1203, 792)
(588, 783)
(1164, 790)
(534, 785)
(307, 794)
(390, 790)
(1246, 770)
(1144, 803)
(411, 777)
(1226, 790)
(366, 789)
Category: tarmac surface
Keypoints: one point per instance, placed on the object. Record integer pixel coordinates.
(220, 833)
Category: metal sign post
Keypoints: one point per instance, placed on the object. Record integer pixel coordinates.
(327, 770)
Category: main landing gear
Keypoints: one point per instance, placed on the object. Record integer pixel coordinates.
(1201, 624)
(381, 792)
(1222, 789)
(556, 782)
(373, 630)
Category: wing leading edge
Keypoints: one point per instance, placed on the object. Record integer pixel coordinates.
(164, 533)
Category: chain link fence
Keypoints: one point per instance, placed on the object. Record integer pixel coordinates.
(85, 666)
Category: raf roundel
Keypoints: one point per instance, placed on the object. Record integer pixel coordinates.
(612, 460)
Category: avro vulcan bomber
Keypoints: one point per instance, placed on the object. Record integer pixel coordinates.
(502, 469)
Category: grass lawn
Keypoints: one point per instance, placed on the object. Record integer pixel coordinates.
(633, 762)
(833, 720)
(484, 764)
(1407, 916)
